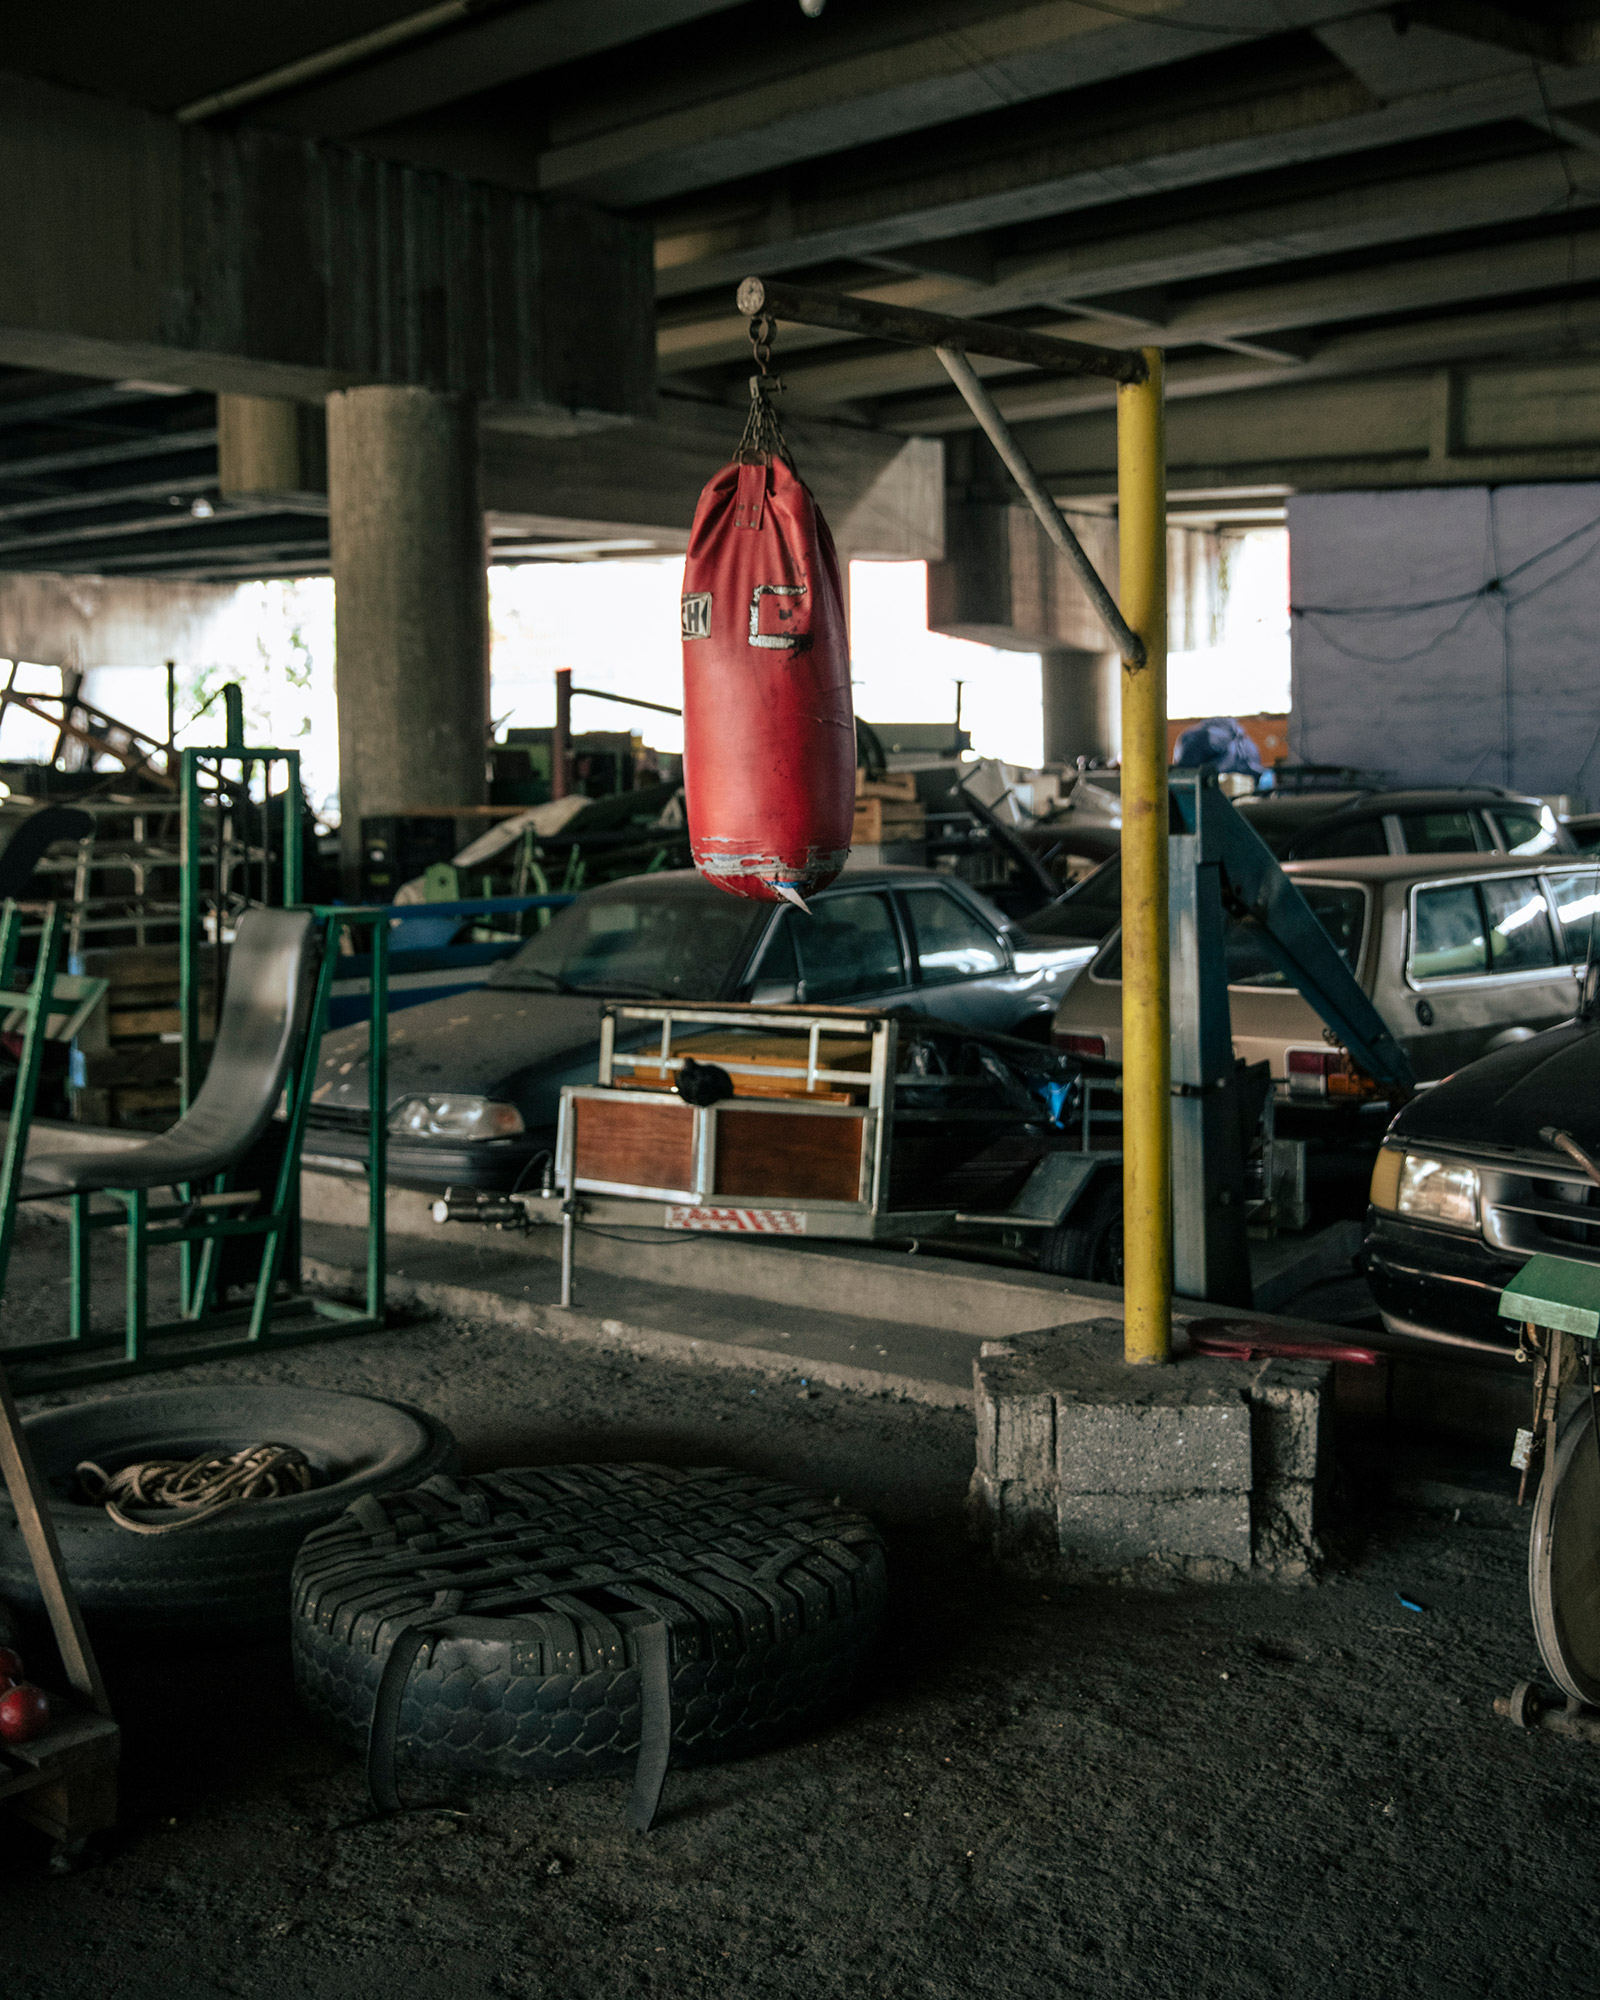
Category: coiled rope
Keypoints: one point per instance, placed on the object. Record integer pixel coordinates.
(196, 1489)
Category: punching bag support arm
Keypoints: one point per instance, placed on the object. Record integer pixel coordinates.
(953, 339)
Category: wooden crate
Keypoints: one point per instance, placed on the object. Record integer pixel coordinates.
(879, 820)
(777, 1052)
(778, 1157)
(129, 1052)
(64, 1782)
(631, 1142)
(892, 785)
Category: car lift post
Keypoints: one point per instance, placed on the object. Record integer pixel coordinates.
(1139, 629)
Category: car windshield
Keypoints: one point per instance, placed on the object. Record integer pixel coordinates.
(639, 939)
(1089, 909)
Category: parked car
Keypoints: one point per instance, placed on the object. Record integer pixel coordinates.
(1459, 955)
(1483, 819)
(1465, 1190)
(1584, 831)
(475, 1080)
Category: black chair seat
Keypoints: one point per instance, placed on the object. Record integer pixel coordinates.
(263, 1014)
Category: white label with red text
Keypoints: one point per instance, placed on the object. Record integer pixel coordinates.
(738, 1221)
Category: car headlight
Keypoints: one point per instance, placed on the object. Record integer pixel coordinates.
(451, 1117)
(1443, 1192)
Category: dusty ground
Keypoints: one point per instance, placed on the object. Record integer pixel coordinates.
(1240, 1792)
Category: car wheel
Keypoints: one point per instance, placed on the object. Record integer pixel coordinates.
(1089, 1243)
(773, 1602)
(1561, 1545)
(231, 1572)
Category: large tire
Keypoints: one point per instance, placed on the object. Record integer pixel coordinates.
(535, 1585)
(1563, 1585)
(233, 1571)
(1089, 1243)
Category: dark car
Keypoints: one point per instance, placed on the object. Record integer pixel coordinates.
(1465, 1190)
(1441, 819)
(475, 1080)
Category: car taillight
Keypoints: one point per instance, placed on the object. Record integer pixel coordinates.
(1081, 1045)
(1327, 1073)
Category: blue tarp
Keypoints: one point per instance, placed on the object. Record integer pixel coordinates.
(1219, 744)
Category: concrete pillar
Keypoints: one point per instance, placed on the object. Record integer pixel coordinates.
(1081, 708)
(406, 529)
(268, 444)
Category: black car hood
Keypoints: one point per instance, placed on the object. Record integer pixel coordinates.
(513, 1044)
(1500, 1103)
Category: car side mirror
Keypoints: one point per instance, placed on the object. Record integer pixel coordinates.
(773, 993)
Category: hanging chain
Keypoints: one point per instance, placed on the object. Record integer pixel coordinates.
(763, 438)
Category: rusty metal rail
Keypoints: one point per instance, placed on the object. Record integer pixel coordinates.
(875, 321)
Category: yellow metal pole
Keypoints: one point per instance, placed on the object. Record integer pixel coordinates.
(1146, 985)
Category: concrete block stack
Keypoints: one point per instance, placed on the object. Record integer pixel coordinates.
(1090, 1469)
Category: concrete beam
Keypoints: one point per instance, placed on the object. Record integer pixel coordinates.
(1275, 125)
(476, 55)
(268, 445)
(1237, 316)
(90, 621)
(1512, 330)
(883, 496)
(1004, 583)
(1487, 423)
(862, 80)
(250, 264)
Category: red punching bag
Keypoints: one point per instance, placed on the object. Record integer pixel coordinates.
(769, 741)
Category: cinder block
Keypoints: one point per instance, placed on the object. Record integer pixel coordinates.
(1129, 1447)
(1025, 1439)
(1116, 1531)
(1091, 1467)
(1291, 1402)
(1285, 1526)
(1017, 1523)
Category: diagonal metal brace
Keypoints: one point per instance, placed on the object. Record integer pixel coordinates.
(1034, 491)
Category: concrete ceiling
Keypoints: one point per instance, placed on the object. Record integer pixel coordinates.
(1278, 192)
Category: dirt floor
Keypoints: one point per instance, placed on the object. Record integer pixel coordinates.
(1249, 1791)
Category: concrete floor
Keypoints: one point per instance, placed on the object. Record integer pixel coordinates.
(1255, 1791)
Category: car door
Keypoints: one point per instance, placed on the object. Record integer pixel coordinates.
(964, 966)
(848, 948)
(1483, 962)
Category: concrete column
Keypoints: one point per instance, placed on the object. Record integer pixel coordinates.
(412, 604)
(1080, 693)
(268, 444)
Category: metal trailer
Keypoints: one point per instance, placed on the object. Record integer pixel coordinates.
(807, 1145)
(630, 1150)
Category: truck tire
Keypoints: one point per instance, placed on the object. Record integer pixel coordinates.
(227, 1573)
(533, 1588)
(1089, 1243)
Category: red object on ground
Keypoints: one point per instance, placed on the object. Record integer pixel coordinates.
(1237, 1340)
(24, 1713)
(769, 741)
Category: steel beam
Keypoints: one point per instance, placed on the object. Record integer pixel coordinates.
(844, 314)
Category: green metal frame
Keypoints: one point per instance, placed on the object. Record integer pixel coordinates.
(191, 928)
(198, 1222)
